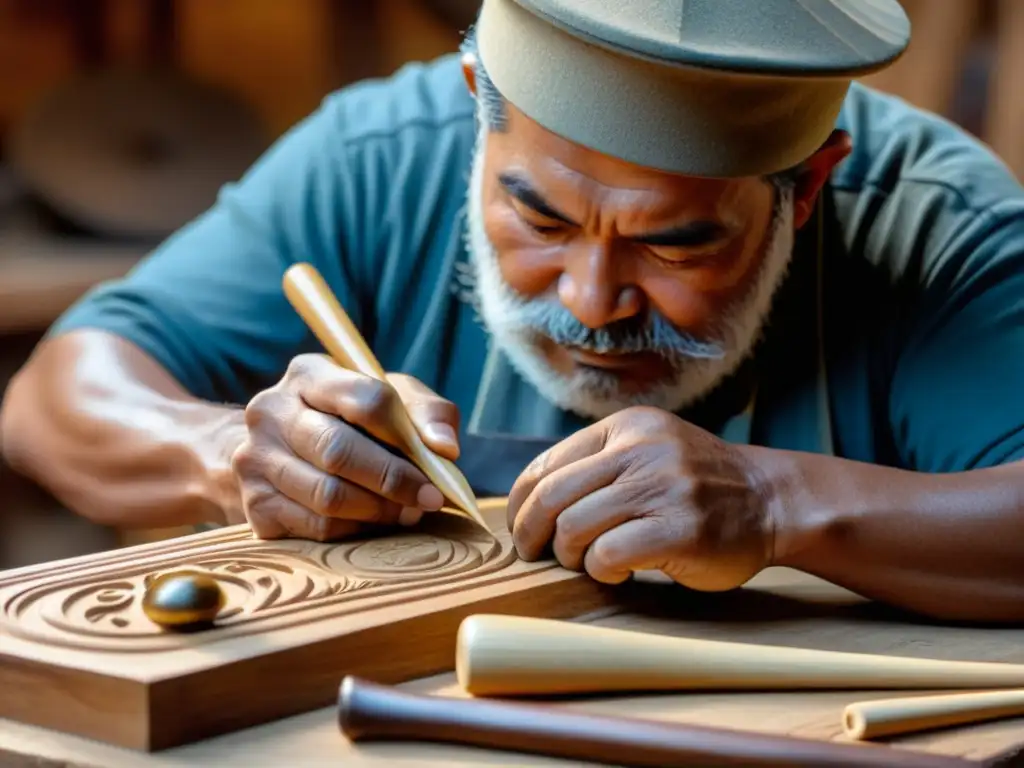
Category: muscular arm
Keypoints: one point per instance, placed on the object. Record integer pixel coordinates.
(107, 431)
(945, 545)
(119, 414)
(942, 534)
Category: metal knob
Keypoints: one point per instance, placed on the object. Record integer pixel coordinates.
(183, 600)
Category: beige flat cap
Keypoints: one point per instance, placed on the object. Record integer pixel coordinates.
(718, 88)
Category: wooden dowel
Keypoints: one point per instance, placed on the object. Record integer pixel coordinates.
(520, 656)
(909, 714)
(368, 711)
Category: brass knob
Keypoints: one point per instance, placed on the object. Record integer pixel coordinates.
(183, 600)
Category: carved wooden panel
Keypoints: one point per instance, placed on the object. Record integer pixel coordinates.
(77, 652)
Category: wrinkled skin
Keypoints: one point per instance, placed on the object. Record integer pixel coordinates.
(110, 432)
(645, 490)
(309, 467)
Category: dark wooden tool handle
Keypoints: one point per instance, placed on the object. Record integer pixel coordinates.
(368, 711)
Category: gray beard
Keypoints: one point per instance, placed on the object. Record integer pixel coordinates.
(518, 323)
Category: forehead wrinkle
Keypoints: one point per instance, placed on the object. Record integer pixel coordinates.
(597, 191)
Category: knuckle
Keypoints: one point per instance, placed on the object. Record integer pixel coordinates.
(645, 418)
(371, 399)
(334, 447)
(603, 556)
(535, 469)
(567, 529)
(262, 527)
(393, 479)
(301, 367)
(261, 408)
(321, 528)
(329, 493)
(247, 460)
(546, 496)
(259, 502)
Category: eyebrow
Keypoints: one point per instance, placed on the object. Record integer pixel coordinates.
(524, 192)
(689, 235)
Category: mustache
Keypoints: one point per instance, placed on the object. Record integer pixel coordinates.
(649, 333)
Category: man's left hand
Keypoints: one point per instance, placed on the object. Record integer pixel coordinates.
(645, 490)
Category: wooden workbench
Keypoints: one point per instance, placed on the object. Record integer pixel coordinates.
(780, 607)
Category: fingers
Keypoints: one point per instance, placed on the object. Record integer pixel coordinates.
(313, 466)
(359, 400)
(579, 524)
(316, 491)
(583, 444)
(340, 451)
(534, 525)
(436, 419)
(636, 545)
(274, 516)
(370, 404)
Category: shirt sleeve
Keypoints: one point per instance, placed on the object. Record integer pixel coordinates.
(207, 304)
(957, 394)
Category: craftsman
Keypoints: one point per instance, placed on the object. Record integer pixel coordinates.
(742, 310)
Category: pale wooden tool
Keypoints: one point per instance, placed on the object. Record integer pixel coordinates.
(316, 304)
(889, 717)
(509, 656)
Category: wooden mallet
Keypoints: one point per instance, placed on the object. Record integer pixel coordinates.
(371, 712)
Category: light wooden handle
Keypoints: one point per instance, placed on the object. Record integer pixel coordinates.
(316, 304)
(371, 712)
(318, 307)
(889, 717)
(519, 656)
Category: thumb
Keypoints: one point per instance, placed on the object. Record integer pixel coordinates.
(436, 419)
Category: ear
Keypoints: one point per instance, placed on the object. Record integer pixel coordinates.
(815, 172)
(469, 71)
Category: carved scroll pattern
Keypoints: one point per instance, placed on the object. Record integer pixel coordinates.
(267, 585)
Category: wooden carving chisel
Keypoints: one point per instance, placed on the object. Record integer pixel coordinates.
(316, 304)
(369, 711)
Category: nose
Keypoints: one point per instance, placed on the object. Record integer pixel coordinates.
(591, 288)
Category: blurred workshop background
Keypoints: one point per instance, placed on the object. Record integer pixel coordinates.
(120, 119)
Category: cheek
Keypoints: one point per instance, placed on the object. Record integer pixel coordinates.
(529, 267)
(677, 297)
(692, 298)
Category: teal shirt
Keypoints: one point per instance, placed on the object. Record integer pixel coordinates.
(898, 338)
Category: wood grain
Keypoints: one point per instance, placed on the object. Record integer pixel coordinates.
(74, 637)
(779, 607)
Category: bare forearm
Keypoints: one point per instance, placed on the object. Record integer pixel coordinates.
(109, 433)
(945, 545)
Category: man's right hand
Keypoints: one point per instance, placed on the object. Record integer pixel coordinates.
(308, 468)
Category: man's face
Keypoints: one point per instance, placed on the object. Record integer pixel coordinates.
(610, 285)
